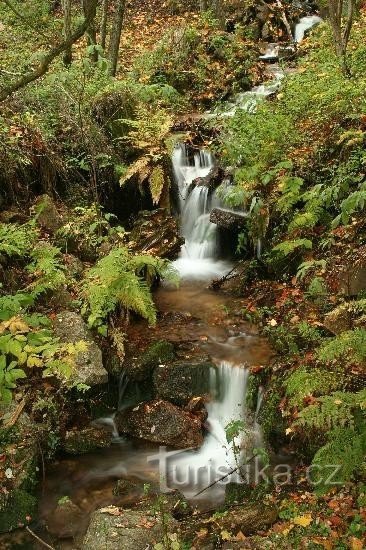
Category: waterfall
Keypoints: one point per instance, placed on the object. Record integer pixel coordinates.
(192, 471)
(198, 257)
(304, 25)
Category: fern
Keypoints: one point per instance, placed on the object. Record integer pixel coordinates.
(350, 345)
(47, 268)
(346, 450)
(288, 247)
(306, 382)
(17, 240)
(303, 220)
(337, 410)
(308, 266)
(117, 281)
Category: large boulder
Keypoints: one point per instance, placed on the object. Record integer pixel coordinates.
(47, 215)
(228, 219)
(249, 519)
(71, 328)
(339, 319)
(113, 528)
(156, 233)
(161, 422)
(179, 382)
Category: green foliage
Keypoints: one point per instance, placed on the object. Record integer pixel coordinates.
(46, 268)
(317, 289)
(23, 345)
(349, 346)
(306, 381)
(87, 228)
(121, 280)
(17, 240)
(289, 247)
(346, 451)
(305, 267)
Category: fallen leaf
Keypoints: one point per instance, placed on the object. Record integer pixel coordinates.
(303, 521)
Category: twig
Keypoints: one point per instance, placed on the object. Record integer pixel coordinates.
(225, 476)
(39, 539)
(15, 415)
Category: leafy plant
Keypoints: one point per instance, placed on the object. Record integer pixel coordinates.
(121, 280)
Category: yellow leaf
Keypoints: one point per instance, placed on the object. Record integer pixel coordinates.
(225, 535)
(303, 521)
(289, 431)
(34, 361)
(356, 544)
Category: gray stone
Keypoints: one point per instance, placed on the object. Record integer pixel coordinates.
(339, 319)
(161, 422)
(140, 367)
(84, 440)
(352, 280)
(179, 382)
(228, 219)
(71, 328)
(113, 528)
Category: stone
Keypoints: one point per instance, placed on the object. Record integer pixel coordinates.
(113, 528)
(13, 215)
(352, 281)
(85, 440)
(18, 468)
(126, 488)
(228, 219)
(179, 382)
(249, 519)
(74, 266)
(47, 215)
(71, 328)
(339, 319)
(213, 179)
(64, 521)
(161, 422)
(156, 233)
(140, 367)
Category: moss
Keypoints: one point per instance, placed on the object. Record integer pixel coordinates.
(15, 508)
(270, 419)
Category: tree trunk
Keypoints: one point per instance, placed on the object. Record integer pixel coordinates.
(341, 32)
(48, 57)
(91, 32)
(203, 5)
(103, 23)
(66, 7)
(218, 8)
(116, 36)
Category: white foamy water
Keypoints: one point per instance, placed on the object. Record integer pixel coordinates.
(304, 25)
(199, 255)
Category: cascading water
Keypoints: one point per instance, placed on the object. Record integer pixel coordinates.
(304, 25)
(199, 255)
(193, 471)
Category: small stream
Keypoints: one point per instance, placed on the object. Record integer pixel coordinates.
(218, 331)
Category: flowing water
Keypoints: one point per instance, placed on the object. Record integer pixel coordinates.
(305, 24)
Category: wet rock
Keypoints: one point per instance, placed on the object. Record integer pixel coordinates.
(71, 328)
(196, 406)
(47, 215)
(84, 440)
(156, 233)
(59, 299)
(161, 422)
(213, 179)
(64, 521)
(179, 382)
(112, 528)
(177, 505)
(140, 368)
(228, 219)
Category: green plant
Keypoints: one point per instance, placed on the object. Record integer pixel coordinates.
(349, 346)
(17, 240)
(47, 269)
(122, 280)
(305, 382)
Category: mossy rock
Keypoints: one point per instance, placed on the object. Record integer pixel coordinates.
(141, 367)
(15, 508)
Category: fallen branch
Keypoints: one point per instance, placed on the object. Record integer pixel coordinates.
(44, 65)
(39, 539)
(14, 417)
(225, 476)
